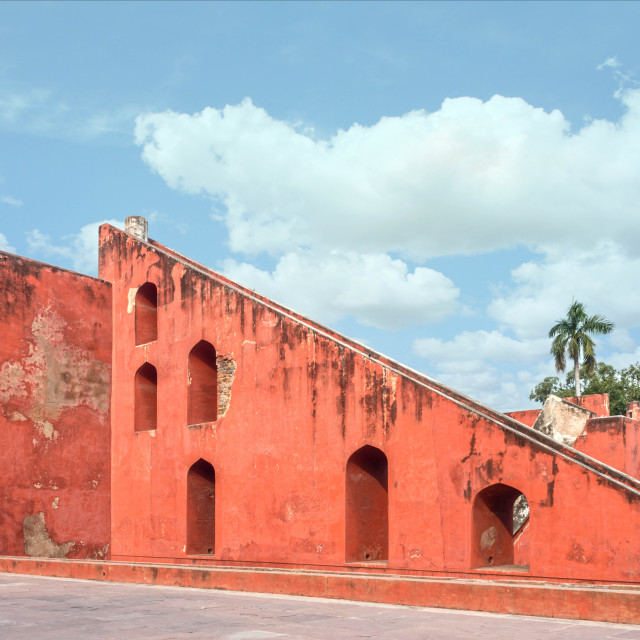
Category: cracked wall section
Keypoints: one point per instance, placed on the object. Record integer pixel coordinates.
(55, 395)
(226, 372)
(37, 541)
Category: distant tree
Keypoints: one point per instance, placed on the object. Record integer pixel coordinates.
(550, 385)
(572, 335)
(623, 386)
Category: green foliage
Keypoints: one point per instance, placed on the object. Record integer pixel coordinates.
(623, 386)
(572, 335)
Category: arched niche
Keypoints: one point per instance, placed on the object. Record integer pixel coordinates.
(500, 528)
(146, 398)
(201, 508)
(202, 401)
(146, 308)
(367, 506)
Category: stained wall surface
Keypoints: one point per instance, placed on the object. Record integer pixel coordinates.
(292, 403)
(55, 377)
(614, 440)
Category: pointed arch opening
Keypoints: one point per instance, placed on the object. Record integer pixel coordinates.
(146, 398)
(367, 506)
(202, 402)
(501, 528)
(146, 313)
(201, 508)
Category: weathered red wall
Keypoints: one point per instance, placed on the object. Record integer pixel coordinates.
(528, 416)
(295, 401)
(55, 363)
(615, 441)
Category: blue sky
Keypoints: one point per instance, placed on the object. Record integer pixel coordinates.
(438, 180)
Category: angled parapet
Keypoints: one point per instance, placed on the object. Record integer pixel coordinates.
(561, 420)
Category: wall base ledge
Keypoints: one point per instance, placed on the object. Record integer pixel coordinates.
(579, 601)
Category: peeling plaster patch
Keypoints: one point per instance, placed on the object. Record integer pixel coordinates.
(54, 375)
(94, 484)
(16, 416)
(131, 299)
(48, 326)
(38, 485)
(47, 430)
(11, 381)
(101, 553)
(54, 504)
(415, 553)
(488, 538)
(152, 433)
(37, 541)
(226, 372)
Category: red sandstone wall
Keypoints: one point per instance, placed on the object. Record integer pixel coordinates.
(55, 355)
(300, 404)
(613, 440)
(597, 402)
(528, 417)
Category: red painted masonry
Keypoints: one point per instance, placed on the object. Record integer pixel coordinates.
(245, 435)
(55, 394)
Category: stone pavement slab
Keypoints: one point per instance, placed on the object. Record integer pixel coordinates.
(51, 608)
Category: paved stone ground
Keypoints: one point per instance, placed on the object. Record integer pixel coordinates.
(50, 608)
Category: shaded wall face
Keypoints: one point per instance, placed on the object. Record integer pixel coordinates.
(201, 509)
(55, 357)
(493, 543)
(367, 506)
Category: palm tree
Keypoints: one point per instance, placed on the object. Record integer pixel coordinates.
(571, 334)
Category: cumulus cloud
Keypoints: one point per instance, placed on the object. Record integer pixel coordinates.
(602, 277)
(14, 202)
(475, 347)
(378, 290)
(4, 244)
(488, 365)
(473, 176)
(80, 250)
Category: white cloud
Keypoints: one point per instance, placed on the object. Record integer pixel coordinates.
(489, 366)
(80, 249)
(14, 202)
(376, 289)
(623, 359)
(474, 363)
(601, 277)
(478, 346)
(4, 244)
(620, 339)
(472, 176)
(609, 63)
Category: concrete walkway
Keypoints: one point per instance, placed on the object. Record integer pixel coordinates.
(50, 608)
